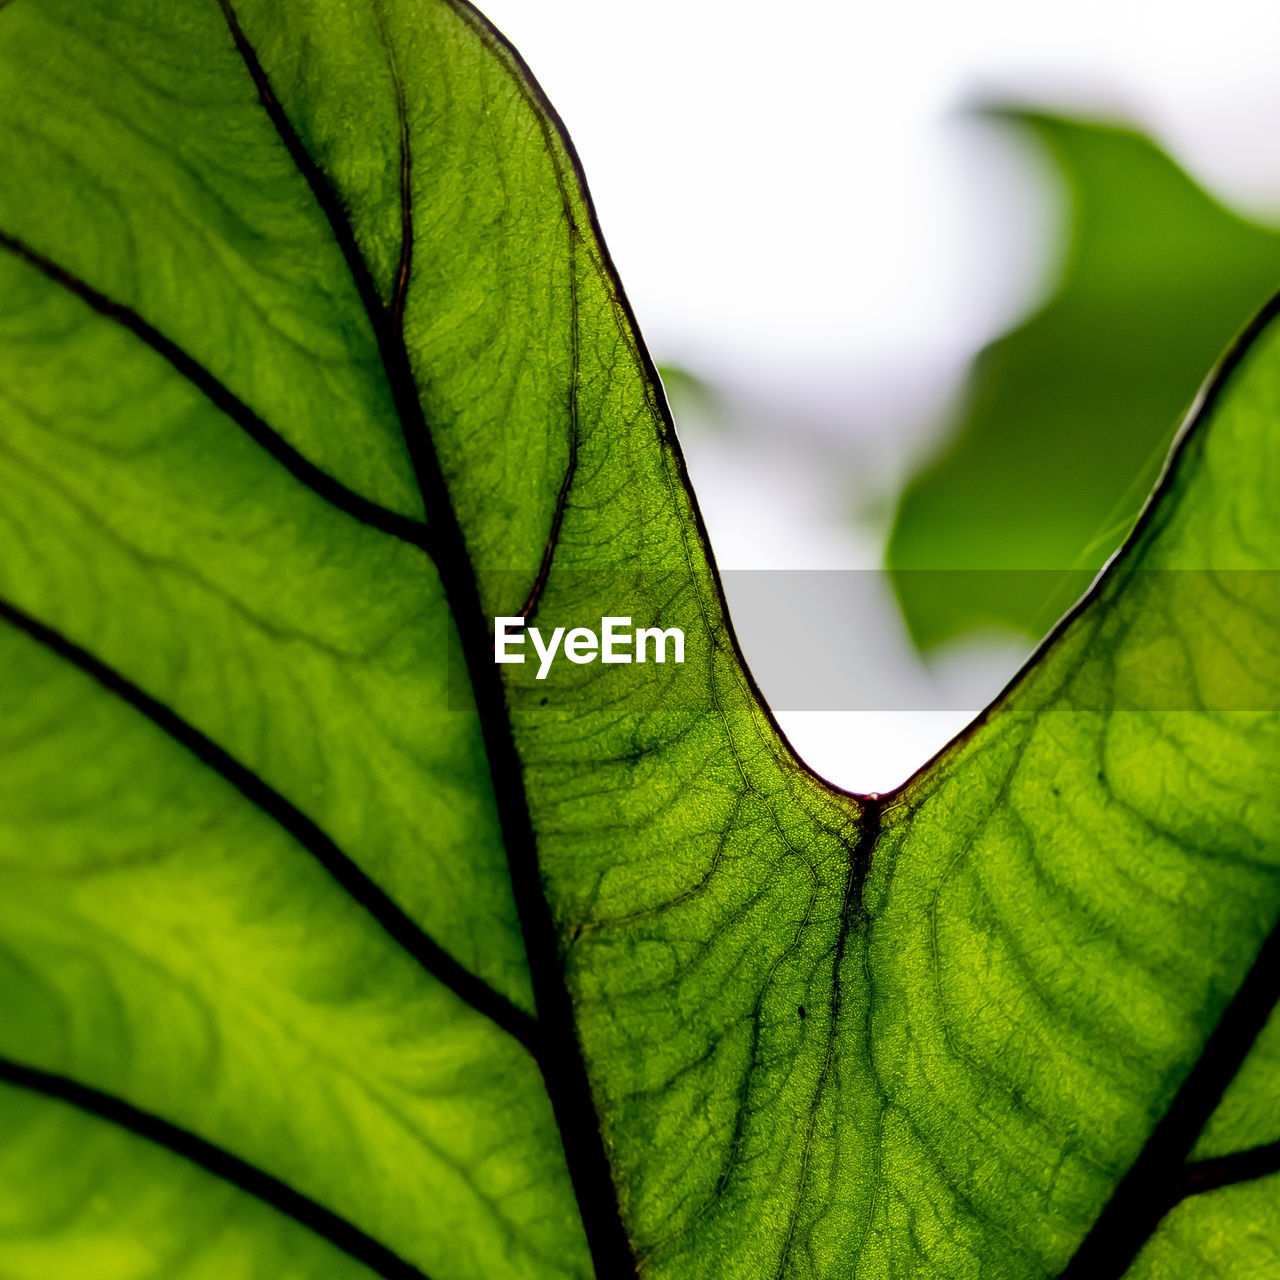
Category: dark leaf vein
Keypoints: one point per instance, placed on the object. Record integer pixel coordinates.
(433, 957)
(1160, 1176)
(216, 1160)
(563, 1070)
(1224, 1171)
(301, 468)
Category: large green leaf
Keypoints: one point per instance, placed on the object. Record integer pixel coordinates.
(1067, 417)
(331, 948)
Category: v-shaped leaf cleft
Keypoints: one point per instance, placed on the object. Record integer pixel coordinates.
(330, 947)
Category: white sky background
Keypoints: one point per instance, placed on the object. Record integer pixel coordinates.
(802, 213)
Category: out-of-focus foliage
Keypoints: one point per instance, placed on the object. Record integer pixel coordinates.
(1067, 418)
(687, 391)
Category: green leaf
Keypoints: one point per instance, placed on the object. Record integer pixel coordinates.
(329, 947)
(1067, 417)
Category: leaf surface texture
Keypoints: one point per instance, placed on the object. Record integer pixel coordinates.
(329, 948)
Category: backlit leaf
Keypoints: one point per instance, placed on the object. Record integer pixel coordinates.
(331, 948)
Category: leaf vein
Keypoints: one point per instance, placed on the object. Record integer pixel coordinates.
(222, 397)
(216, 1160)
(430, 955)
(563, 1070)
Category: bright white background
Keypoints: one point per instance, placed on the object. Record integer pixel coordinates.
(804, 213)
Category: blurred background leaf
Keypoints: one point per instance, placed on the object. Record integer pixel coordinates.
(690, 394)
(1067, 417)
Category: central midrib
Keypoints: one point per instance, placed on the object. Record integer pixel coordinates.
(560, 1058)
